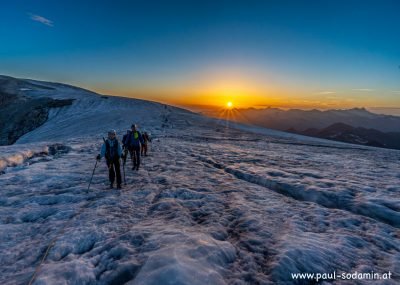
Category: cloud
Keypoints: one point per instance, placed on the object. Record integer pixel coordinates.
(325, 92)
(41, 19)
(396, 91)
(364, 90)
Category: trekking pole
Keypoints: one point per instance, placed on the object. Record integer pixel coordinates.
(123, 168)
(124, 162)
(90, 182)
(124, 174)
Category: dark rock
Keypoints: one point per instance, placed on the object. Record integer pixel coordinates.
(20, 114)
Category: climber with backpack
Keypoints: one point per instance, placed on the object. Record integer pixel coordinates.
(125, 152)
(146, 140)
(125, 146)
(133, 142)
(112, 151)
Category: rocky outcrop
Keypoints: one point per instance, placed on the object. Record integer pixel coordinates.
(20, 114)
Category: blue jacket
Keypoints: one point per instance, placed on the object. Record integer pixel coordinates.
(130, 140)
(115, 149)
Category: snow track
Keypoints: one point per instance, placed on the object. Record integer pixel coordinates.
(386, 212)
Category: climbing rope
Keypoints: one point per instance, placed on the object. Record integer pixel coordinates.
(62, 231)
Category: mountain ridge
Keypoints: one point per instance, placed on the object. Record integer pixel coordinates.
(301, 120)
(349, 134)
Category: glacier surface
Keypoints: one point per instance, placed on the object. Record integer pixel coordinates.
(214, 202)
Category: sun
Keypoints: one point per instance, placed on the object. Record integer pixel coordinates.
(229, 104)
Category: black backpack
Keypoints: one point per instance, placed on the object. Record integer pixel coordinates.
(111, 152)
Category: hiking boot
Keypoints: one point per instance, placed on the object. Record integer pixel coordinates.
(119, 186)
(111, 185)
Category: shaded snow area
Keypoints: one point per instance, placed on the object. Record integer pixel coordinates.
(22, 156)
(210, 204)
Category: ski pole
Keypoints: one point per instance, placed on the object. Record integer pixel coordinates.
(90, 182)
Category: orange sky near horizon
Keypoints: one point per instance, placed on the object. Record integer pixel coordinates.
(243, 97)
(215, 87)
(248, 88)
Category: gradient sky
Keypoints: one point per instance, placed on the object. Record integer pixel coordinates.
(323, 54)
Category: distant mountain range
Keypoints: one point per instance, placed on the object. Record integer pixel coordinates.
(305, 119)
(358, 125)
(346, 133)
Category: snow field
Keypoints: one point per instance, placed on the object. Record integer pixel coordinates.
(210, 204)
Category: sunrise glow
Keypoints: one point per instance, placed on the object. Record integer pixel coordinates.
(232, 55)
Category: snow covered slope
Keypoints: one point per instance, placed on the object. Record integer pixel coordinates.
(211, 204)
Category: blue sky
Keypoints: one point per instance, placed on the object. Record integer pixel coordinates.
(337, 53)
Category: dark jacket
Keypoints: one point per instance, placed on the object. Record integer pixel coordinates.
(146, 138)
(133, 140)
(124, 139)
